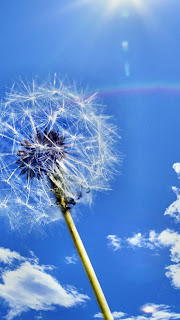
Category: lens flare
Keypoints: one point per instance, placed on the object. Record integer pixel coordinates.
(149, 308)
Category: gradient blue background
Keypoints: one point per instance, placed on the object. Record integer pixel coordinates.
(83, 44)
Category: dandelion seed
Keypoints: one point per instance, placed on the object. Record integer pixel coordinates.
(53, 131)
(56, 149)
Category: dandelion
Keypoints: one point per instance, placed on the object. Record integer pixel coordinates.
(56, 150)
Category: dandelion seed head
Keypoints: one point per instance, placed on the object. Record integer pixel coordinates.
(50, 130)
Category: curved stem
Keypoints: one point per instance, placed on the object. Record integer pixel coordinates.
(86, 262)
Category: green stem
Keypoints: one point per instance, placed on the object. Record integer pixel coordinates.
(86, 262)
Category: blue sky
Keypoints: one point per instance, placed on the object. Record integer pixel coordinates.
(129, 52)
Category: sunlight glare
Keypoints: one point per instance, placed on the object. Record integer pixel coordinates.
(109, 6)
(113, 5)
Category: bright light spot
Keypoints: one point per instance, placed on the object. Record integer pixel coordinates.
(149, 309)
(139, 234)
(125, 45)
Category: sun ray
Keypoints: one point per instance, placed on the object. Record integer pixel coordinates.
(109, 7)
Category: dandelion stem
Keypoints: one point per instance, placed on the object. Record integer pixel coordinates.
(86, 262)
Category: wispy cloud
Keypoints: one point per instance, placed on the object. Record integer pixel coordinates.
(174, 209)
(140, 240)
(7, 256)
(29, 286)
(154, 311)
(114, 242)
(136, 240)
(71, 260)
(166, 238)
(115, 314)
(158, 312)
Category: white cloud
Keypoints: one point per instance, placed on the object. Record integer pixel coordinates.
(167, 238)
(174, 209)
(71, 260)
(163, 312)
(152, 236)
(118, 314)
(137, 240)
(114, 241)
(29, 286)
(172, 239)
(176, 167)
(173, 272)
(159, 312)
(7, 256)
(115, 314)
(149, 308)
(98, 315)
